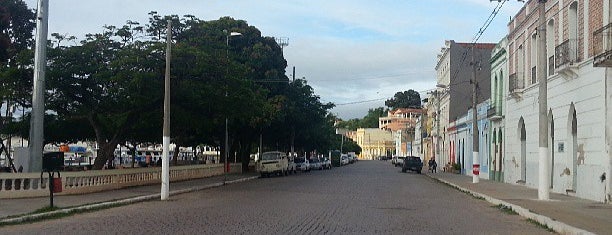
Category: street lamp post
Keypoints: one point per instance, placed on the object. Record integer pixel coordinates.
(475, 131)
(38, 93)
(543, 185)
(165, 187)
(226, 164)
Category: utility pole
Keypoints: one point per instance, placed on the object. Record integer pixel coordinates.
(226, 165)
(165, 187)
(437, 152)
(475, 142)
(38, 93)
(543, 185)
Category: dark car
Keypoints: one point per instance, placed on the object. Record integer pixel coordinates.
(412, 163)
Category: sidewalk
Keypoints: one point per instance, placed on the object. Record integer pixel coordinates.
(17, 207)
(581, 215)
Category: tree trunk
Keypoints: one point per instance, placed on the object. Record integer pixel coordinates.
(244, 150)
(175, 155)
(105, 153)
(133, 149)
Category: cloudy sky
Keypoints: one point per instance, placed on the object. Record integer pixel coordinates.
(350, 51)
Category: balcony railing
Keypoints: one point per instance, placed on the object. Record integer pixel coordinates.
(516, 83)
(566, 53)
(494, 113)
(602, 46)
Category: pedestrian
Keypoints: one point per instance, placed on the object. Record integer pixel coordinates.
(434, 165)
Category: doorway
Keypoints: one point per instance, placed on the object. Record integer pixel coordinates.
(573, 144)
(551, 141)
(523, 139)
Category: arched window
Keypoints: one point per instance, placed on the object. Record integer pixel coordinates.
(572, 26)
(534, 58)
(500, 91)
(520, 67)
(550, 46)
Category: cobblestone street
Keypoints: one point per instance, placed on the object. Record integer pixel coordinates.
(369, 197)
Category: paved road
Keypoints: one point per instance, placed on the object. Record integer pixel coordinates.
(369, 197)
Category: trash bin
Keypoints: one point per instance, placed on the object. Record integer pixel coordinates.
(57, 185)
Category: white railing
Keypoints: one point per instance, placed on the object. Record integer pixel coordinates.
(21, 185)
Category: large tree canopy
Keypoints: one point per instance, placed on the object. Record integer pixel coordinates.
(109, 87)
(406, 99)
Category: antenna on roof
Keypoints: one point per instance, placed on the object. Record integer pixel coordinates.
(282, 42)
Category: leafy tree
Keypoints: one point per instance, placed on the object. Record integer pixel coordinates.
(107, 82)
(406, 99)
(351, 124)
(371, 119)
(16, 27)
(109, 87)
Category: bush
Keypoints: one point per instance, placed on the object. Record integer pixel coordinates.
(456, 166)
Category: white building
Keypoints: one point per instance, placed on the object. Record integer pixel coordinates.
(499, 88)
(579, 98)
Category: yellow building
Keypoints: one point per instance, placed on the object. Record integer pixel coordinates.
(374, 142)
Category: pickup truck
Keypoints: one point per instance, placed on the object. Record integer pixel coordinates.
(412, 163)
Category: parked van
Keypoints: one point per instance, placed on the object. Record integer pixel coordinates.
(273, 163)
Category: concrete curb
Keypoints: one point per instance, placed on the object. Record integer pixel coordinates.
(26, 218)
(555, 225)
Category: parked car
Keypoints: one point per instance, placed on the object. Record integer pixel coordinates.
(273, 163)
(291, 166)
(327, 164)
(352, 157)
(315, 163)
(399, 161)
(344, 159)
(301, 164)
(412, 163)
(394, 160)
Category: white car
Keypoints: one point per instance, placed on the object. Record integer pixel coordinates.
(291, 166)
(301, 164)
(399, 161)
(344, 159)
(272, 163)
(326, 162)
(315, 163)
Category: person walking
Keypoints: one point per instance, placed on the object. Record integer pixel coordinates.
(433, 165)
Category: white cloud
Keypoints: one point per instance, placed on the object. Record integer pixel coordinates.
(348, 50)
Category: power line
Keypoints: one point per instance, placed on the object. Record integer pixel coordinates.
(360, 102)
(366, 101)
(372, 78)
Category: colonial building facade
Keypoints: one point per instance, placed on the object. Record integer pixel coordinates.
(453, 94)
(374, 142)
(578, 39)
(496, 111)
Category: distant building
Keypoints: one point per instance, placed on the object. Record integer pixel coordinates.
(401, 122)
(374, 142)
(453, 95)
